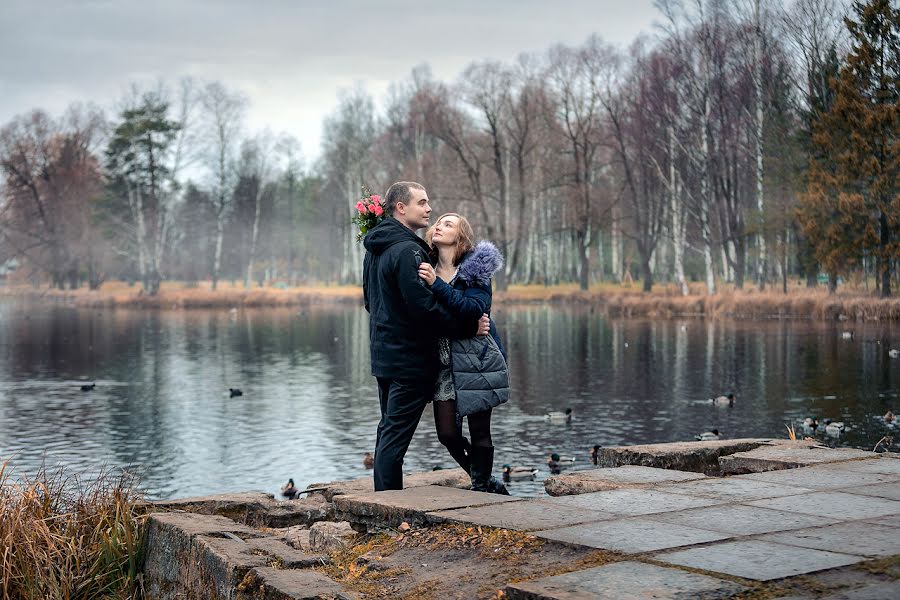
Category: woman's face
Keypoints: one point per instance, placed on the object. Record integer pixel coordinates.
(446, 231)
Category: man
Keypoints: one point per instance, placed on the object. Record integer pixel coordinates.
(405, 322)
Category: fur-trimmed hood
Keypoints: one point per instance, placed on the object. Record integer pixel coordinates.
(480, 263)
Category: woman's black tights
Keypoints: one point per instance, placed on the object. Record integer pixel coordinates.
(450, 435)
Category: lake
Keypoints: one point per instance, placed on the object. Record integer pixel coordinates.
(309, 409)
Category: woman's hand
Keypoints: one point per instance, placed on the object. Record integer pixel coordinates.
(426, 272)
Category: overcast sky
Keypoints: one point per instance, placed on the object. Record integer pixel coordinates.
(291, 57)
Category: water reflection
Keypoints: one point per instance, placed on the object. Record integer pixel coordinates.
(309, 407)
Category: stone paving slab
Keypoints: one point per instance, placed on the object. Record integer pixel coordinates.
(835, 505)
(733, 488)
(522, 516)
(684, 456)
(771, 458)
(624, 581)
(758, 560)
(737, 519)
(890, 491)
(392, 507)
(632, 535)
(863, 539)
(284, 584)
(823, 477)
(634, 501)
(601, 479)
(887, 466)
(887, 590)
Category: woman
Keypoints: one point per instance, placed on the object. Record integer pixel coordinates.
(462, 284)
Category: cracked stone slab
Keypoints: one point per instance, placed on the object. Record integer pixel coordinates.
(824, 477)
(624, 581)
(634, 502)
(757, 560)
(683, 456)
(632, 535)
(597, 480)
(734, 488)
(392, 507)
(835, 505)
(771, 458)
(288, 556)
(528, 515)
(893, 521)
(860, 538)
(738, 519)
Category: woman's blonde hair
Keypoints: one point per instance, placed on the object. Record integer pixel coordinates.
(465, 241)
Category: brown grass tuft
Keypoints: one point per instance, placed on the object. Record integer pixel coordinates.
(63, 538)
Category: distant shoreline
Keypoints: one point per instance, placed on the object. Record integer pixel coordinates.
(614, 300)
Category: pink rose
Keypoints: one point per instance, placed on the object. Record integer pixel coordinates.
(377, 210)
(361, 207)
(376, 199)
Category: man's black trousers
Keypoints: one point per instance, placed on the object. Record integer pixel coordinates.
(402, 403)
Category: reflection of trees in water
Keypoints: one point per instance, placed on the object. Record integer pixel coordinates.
(309, 397)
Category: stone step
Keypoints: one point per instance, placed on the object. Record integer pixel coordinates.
(412, 505)
(455, 478)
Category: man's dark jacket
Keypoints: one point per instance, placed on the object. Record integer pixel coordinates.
(405, 320)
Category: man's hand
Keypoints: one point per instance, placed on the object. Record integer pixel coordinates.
(484, 325)
(426, 272)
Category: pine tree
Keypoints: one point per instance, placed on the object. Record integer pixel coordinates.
(852, 204)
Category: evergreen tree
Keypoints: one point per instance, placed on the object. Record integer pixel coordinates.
(852, 206)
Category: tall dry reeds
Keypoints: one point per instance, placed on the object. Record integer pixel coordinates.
(68, 539)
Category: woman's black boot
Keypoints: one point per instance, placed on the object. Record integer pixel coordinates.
(482, 463)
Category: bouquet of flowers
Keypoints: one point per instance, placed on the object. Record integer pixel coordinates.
(370, 212)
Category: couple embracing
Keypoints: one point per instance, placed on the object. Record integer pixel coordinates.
(431, 337)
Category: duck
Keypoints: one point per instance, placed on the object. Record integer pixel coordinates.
(707, 436)
(368, 460)
(235, 392)
(88, 387)
(518, 473)
(288, 490)
(894, 353)
(847, 335)
(556, 463)
(810, 424)
(727, 399)
(889, 418)
(834, 428)
(555, 415)
(595, 454)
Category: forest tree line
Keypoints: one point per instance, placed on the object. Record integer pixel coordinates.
(743, 141)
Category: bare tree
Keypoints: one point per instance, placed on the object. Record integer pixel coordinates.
(258, 165)
(224, 112)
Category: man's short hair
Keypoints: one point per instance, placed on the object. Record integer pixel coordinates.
(399, 192)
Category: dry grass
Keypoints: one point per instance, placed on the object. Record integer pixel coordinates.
(63, 538)
(179, 295)
(665, 301)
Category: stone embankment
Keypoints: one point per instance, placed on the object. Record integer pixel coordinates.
(748, 519)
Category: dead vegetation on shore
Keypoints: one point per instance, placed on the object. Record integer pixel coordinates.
(616, 301)
(62, 537)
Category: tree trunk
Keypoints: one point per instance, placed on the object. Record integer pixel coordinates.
(760, 207)
(217, 257)
(254, 235)
(884, 266)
